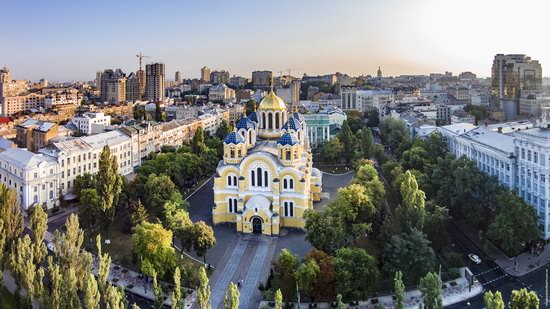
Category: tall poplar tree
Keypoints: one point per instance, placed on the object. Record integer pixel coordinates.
(109, 183)
(204, 290)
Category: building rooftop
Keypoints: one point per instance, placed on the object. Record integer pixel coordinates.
(107, 138)
(459, 128)
(491, 139)
(38, 125)
(22, 158)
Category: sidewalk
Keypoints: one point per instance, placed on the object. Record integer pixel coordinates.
(453, 292)
(518, 266)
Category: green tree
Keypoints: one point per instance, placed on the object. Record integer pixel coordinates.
(223, 129)
(231, 300)
(356, 272)
(109, 183)
(39, 287)
(39, 225)
(410, 253)
(366, 142)
(54, 274)
(332, 151)
(203, 238)
(157, 290)
(114, 298)
(278, 299)
(493, 301)
(2, 247)
(90, 213)
(524, 299)
(182, 227)
(197, 142)
(203, 290)
(103, 268)
(21, 262)
(250, 107)
(367, 176)
(399, 288)
(11, 215)
(372, 117)
(394, 134)
(139, 214)
(347, 140)
(415, 158)
(84, 181)
(286, 267)
(91, 293)
(339, 303)
(411, 214)
(435, 227)
(160, 189)
(324, 231)
(176, 297)
(430, 287)
(515, 224)
(306, 276)
(153, 244)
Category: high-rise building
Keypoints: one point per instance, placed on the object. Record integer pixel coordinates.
(177, 77)
(141, 82)
(5, 75)
(155, 81)
(132, 88)
(262, 79)
(219, 77)
(513, 73)
(205, 74)
(98, 79)
(113, 86)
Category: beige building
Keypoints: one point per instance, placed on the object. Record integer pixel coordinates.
(262, 79)
(221, 92)
(513, 73)
(113, 86)
(155, 79)
(205, 74)
(132, 88)
(35, 134)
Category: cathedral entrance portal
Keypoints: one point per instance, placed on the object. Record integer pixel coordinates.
(256, 225)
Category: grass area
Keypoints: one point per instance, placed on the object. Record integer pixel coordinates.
(7, 300)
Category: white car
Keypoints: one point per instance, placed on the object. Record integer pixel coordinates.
(474, 258)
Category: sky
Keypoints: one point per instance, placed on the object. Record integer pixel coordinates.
(71, 40)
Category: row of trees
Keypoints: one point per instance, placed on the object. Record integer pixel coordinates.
(63, 279)
(462, 190)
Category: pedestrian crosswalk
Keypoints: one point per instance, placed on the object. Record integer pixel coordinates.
(487, 271)
(496, 279)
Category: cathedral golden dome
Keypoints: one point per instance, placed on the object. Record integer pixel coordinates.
(272, 102)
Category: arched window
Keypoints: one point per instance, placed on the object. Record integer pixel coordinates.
(36, 198)
(235, 183)
(288, 183)
(232, 205)
(289, 209)
(287, 154)
(259, 175)
(51, 194)
(229, 180)
(264, 123)
(250, 137)
(277, 122)
(291, 183)
(270, 119)
(252, 177)
(265, 179)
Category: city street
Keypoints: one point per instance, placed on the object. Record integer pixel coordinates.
(492, 277)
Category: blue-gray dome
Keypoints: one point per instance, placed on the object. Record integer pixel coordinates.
(288, 139)
(245, 123)
(253, 117)
(234, 138)
(293, 124)
(298, 116)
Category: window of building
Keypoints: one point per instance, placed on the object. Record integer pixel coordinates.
(232, 205)
(288, 183)
(288, 209)
(51, 194)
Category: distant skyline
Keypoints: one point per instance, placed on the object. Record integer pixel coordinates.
(71, 40)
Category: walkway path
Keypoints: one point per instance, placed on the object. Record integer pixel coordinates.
(247, 260)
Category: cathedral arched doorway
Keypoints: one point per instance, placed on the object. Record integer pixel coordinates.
(256, 225)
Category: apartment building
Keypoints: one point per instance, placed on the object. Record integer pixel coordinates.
(35, 134)
(91, 122)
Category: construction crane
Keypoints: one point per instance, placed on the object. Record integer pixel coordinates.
(140, 56)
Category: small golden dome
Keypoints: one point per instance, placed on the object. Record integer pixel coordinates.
(272, 102)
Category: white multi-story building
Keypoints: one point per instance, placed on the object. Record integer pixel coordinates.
(81, 155)
(362, 100)
(33, 176)
(324, 125)
(221, 92)
(91, 123)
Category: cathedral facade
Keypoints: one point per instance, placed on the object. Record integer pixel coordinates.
(266, 178)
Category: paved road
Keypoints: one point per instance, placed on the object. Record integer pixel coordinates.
(493, 277)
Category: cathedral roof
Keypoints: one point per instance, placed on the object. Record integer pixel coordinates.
(272, 102)
(253, 117)
(293, 124)
(234, 138)
(288, 139)
(245, 123)
(298, 116)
